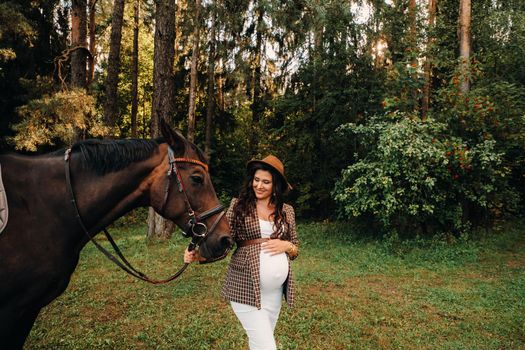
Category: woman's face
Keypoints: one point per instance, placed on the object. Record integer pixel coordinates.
(262, 184)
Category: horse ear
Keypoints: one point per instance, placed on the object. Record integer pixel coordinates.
(173, 138)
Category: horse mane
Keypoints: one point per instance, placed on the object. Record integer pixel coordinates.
(106, 156)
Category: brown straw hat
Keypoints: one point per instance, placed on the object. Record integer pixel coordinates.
(274, 163)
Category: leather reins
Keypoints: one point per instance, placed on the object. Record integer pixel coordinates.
(195, 228)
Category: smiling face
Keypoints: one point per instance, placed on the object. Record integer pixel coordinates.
(262, 184)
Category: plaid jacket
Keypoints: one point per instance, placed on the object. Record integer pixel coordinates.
(242, 283)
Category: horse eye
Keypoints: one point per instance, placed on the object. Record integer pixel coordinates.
(197, 179)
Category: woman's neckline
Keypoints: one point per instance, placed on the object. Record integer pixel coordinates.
(264, 220)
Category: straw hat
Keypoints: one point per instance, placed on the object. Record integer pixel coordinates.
(274, 163)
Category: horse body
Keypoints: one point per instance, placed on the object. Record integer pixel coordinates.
(40, 247)
(35, 264)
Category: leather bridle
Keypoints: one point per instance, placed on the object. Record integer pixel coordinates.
(195, 227)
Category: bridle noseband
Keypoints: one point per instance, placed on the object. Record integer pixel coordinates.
(195, 228)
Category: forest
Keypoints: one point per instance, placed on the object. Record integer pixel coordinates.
(406, 117)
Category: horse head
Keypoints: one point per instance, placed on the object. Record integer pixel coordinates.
(185, 195)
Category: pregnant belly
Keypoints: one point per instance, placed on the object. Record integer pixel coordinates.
(274, 270)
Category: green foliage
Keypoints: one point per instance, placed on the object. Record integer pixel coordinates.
(57, 119)
(499, 39)
(337, 85)
(493, 111)
(32, 34)
(13, 24)
(323, 64)
(145, 68)
(403, 86)
(415, 178)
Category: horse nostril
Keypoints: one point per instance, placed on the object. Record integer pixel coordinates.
(226, 242)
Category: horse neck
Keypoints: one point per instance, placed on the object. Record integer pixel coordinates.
(103, 199)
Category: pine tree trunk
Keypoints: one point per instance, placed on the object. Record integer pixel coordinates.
(193, 73)
(220, 86)
(428, 61)
(92, 42)
(211, 88)
(464, 44)
(163, 102)
(78, 39)
(412, 10)
(256, 106)
(315, 52)
(178, 28)
(135, 69)
(111, 106)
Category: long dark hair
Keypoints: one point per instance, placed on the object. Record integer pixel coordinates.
(246, 203)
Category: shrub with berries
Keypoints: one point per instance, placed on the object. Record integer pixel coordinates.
(415, 178)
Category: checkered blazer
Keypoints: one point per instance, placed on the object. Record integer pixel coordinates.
(242, 283)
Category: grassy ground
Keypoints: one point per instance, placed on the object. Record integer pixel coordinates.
(352, 294)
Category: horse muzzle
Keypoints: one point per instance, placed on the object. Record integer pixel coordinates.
(215, 248)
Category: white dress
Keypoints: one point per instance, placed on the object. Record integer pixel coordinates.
(260, 324)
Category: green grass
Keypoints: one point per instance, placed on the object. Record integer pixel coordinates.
(352, 294)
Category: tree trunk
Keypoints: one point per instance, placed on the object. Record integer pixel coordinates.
(178, 29)
(145, 130)
(464, 44)
(193, 73)
(211, 88)
(135, 69)
(315, 53)
(220, 86)
(163, 96)
(428, 61)
(163, 103)
(111, 106)
(92, 38)
(78, 39)
(412, 9)
(256, 106)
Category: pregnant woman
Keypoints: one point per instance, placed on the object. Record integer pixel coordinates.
(259, 273)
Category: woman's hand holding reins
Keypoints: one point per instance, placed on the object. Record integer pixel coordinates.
(190, 257)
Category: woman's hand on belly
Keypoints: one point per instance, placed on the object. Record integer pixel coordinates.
(275, 246)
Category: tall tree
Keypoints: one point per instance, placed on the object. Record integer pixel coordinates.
(428, 61)
(210, 111)
(257, 107)
(92, 41)
(193, 72)
(163, 93)
(135, 69)
(111, 105)
(78, 43)
(412, 10)
(464, 43)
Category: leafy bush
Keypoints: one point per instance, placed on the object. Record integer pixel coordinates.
(57, 118)
(489, 111)
(417, 179)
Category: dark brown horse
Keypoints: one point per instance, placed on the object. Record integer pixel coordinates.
(40, 246)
